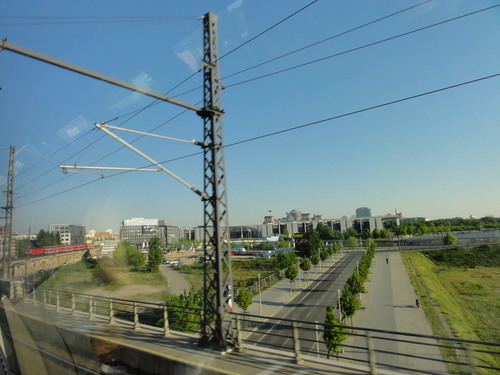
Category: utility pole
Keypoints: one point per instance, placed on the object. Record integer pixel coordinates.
(216, 234)
(9, 206)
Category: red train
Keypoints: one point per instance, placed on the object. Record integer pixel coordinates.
(59, 249)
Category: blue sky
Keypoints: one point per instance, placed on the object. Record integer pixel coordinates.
(434, 156)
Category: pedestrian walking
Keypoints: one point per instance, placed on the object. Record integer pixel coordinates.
(417, 302)
(387, 260)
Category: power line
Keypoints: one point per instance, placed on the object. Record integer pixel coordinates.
(337, 54)
(52, 154)
(73, 20)
(359, 48)
(98, 160)
(281, 71)
(268, 29)
(327, 39)
(313, 123)
(154, 102)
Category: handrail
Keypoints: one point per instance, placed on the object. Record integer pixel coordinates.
(251, 330)
(306, 343)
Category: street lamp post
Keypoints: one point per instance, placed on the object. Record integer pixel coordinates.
(340, 307)
(260, 300)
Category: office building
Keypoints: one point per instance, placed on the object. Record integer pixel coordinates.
(363, 212)
(70, 234)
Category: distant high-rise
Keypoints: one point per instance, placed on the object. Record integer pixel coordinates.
(70, 234)
(363, 212)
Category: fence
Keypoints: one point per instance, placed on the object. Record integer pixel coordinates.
(368, 347)
(275, 278)
(300, 340)
(141, 314)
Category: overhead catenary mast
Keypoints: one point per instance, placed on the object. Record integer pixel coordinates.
(9, 207)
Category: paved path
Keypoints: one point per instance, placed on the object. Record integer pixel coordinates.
(176, 283)
(390, 305)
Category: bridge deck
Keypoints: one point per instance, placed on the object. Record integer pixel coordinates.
(146, 350)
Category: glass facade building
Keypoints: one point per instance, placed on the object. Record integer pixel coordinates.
(139, 231)
(71, 234)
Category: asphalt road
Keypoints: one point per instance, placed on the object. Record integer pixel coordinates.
(309, 305)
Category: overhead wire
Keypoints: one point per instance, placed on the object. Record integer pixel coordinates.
(156, 101)
(327, 39)
(268, 29)
(302, 126)
(72, 20)
(98, 160)
(360, 47)
(344, 52)
(339, 53)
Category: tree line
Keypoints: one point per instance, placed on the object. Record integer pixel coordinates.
(442, 226)
(333, 334)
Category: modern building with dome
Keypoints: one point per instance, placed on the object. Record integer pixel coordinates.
(139, 231)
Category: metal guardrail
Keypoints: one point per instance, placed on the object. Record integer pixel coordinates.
(301, 338)
(141, 314)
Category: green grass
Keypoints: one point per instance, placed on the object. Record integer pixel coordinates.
(467, 298)
(245, 272)
(78, 278)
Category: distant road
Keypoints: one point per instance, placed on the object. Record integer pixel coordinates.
(310, 304)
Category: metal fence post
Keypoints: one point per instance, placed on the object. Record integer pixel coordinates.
(136, 317)
(296, 342)
(371, 354)
(73, 304)
(90, 308)
(239, 340)
(111, 312)
(57, 301)
(470, 360)
(165, 321)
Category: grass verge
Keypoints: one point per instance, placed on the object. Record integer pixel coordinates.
(468, 300)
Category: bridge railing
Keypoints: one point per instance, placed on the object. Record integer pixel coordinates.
(140, 314)
(303, 340)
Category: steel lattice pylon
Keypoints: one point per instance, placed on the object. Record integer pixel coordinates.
(217, 275)
(9, 206)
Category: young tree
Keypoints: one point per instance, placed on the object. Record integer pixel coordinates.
(353, 242)
(315, 259)
(286, 260)
(366, 233)
(313, 243)
(450, 239)
(305, 265)
(324, 254)
(155, 254)
(350, 304)
(127, 255)
(351, 232)
(291, 273)
(334, 337)
(370, 242)
(47, 239)
(243, 299)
